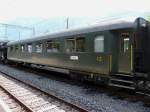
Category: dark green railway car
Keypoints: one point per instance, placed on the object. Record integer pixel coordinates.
(3, 50)
(115, 53)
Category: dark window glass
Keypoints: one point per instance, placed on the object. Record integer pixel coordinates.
(17, 48)
(75, 45)
(80, 45)
(70, 45)
(125, 42)
(56, 46)
(53, 46)
(49, 46)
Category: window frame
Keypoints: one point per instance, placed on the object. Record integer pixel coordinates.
(75, 44)
(122, 42)
(53, 48)
(66, 45)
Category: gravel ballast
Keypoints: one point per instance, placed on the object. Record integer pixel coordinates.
(94, 101)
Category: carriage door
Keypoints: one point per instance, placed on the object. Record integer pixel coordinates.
(124, 53)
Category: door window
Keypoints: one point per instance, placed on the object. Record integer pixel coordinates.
(125, 42)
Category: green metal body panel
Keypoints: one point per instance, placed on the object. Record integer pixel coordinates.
(87, 61)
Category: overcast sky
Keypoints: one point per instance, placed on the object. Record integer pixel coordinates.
(50, 15)
(12, 9)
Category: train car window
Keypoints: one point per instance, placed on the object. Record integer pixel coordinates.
(38, 48)
(99, 44)
(22, 48)
(70, 45)
(29, 46)
(125, 44)
(80, 44)
(49, 46)
(17, 48)
(53, 46)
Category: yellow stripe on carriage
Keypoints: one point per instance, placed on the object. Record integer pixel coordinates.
(110, 63)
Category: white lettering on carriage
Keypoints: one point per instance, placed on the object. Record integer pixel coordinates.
(74, 57)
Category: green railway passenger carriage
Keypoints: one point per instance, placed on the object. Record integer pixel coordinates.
(114, 53)
(3, 50)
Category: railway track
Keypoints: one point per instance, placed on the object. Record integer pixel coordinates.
(11, 102)
(21, 97)
(90, 97)
(45, 73)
